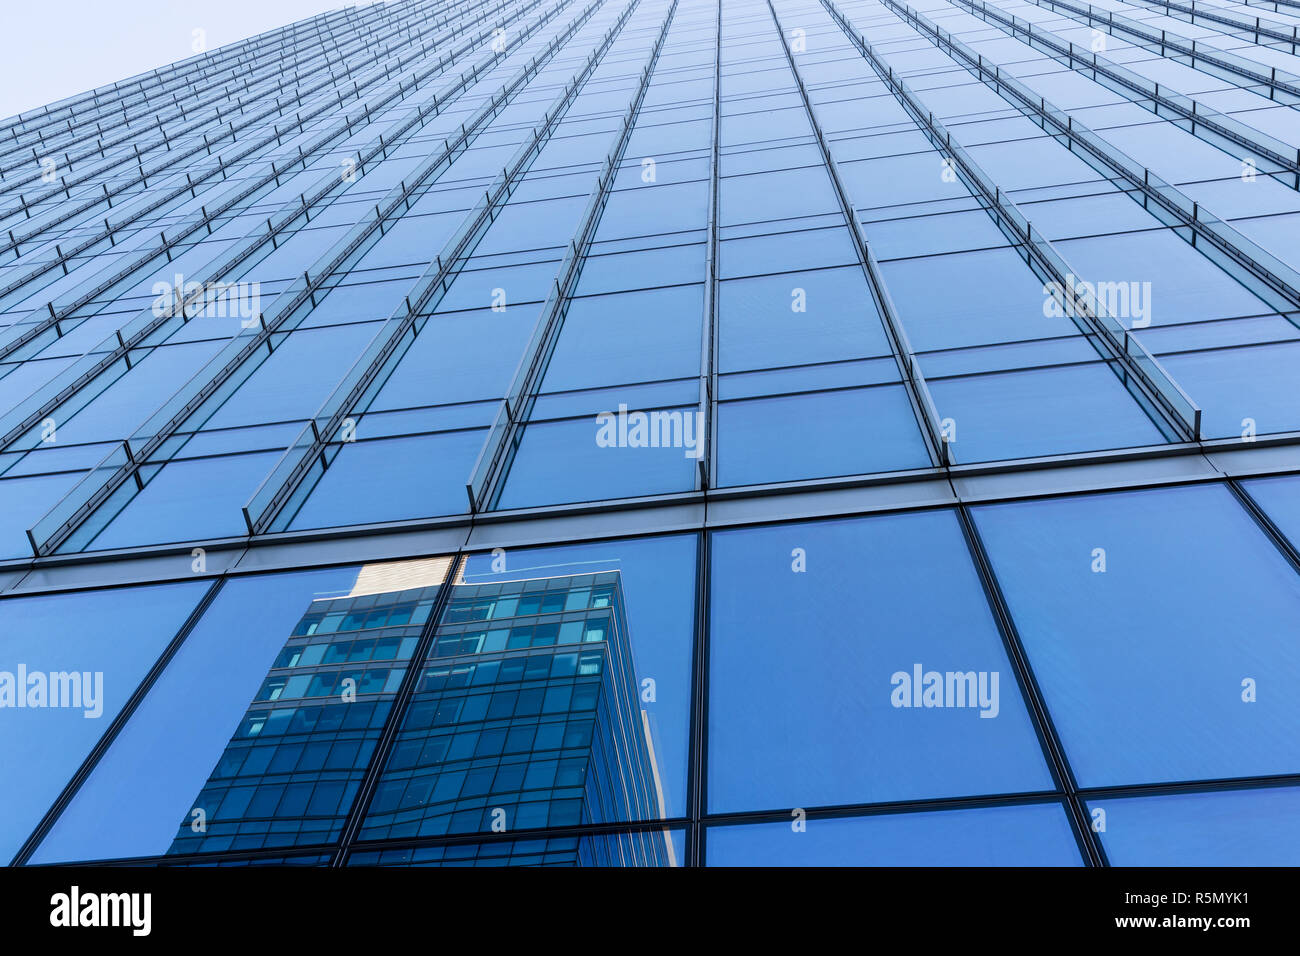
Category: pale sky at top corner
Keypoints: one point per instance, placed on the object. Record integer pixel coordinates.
(51, 49)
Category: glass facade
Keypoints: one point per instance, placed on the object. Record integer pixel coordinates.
(652, 433)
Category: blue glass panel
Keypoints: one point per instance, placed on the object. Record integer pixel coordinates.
(1190, 632)
(1228, 828)
(815, 695)
(192, 720)
(392, 479)
(629, 337)
(1041, 412)
(107, 640)
(189, 500)
(564, 461)
(1280, 499)
(1233, 385)
(823, 435)
(797, 318)
(1029, 835)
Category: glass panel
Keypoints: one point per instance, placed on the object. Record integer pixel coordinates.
(633, 848)
(842, 672)
(253, 736)
(1030, 835)
(1228, 828)
(1280, 499)
(1168, 610)
(557, 693)
(68, 662)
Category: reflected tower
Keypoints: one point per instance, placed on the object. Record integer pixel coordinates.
(526, 715)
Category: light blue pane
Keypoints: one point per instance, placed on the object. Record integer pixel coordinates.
(189, 501)
(797, 318)
(560, 462)
(809, 672)
(392, 479)
(657, 580)
(462, 357)
(113, 635)
(941, 308)
(1233, 385)
(785, 252)
(1195, 612)
(760, 197)
(119, 409)
(1041, 412)
(23, 501)
(1230, 828)
(629, 337)
(818, 435)
(296, 377)
(1184, 286)
(1280, 499)
(147, 781)
(1031, 835)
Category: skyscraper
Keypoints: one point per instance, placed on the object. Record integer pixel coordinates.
(532, 723)
(816, 431)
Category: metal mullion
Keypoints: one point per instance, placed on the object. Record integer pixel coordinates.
(918, 392)
(122, 718)
(1266, 523)
(708, 466)
(487, 477)
(325, 104)
(329, 183)
(304, 51)
(839, 811)
(572, 831)
(397, 712)
(698, 751)
(1206, 118)
(255, 343)
(1036, 705)
(436, 280)
(1007, 216)
(1182, 46)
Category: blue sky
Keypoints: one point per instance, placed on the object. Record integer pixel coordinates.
(57, 48)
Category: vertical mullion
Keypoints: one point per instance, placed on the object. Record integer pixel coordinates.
(697, 760)
(397, 713)
(1039, 714)
(123, 717)
(706, 476)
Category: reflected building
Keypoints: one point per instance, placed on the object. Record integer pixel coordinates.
(291, 771)
(527, 715)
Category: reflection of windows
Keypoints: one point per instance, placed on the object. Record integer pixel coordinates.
(290, 773)
(531, 724)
